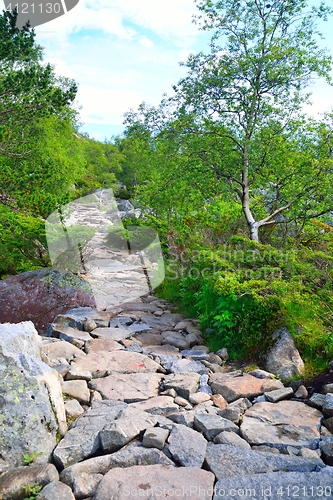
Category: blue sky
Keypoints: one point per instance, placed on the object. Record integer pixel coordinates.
(123, 52)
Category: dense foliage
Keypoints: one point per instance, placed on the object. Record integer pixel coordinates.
(44, 161)
(243, 290)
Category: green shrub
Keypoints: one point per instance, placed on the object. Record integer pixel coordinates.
(31, 491)
(244, 291)
(22, 242)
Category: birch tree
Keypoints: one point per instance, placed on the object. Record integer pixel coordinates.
(264, 56)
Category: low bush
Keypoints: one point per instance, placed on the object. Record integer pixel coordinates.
(243, 291)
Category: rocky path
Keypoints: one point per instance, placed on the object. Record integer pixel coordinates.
(117, 267)
(153, 414)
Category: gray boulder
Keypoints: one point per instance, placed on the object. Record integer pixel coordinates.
(32, 408)
(230, 461)
(196, 354)
(176, 339)
(183, 418)
(326, 448)
(56, 491)
(279, 394)
(55, 351)
(276, 486)
(317, 400)
(187, 446)
(68, 333)
(78, 317)
(153, 481)
(78, 389)
(282, 424)
(185, 366)
(127, 425)
(157, 406)
(212, 425)
(85, 485)
(328, 405)
(166, 322)
(129, 456)
(82, 440)
(183, 383)
(283, 358)
(125, 206)
(232, 439)
(155, 437)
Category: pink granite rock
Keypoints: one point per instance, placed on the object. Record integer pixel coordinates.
(234, 386)
(39, 296)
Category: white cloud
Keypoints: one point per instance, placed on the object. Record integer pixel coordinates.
(168, 19)
(109, 20)
(105, 106)
(145, 42)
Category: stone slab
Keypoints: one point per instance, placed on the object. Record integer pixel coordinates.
(183, 383)
(233, 387)
(230, 461)
(185, 366)
(157, 406)
(130, 455)
(98, 345)
(276, 486)
(130, 422)
(282, 424)
(104, 363)
(13, 482)
(128, 387)
(111, 333)
(166, 322)
(156, 481)
(82, 439)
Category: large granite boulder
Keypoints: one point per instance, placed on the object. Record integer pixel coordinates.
(187, 446)
(151, 481)
(235, 385)
(283, 358)
(40, 295)
(276, 486)
(130, 455)
(82, 440)
(128, 387)
(31, 404)
(230, 461)
(108, 363)
(282, 424)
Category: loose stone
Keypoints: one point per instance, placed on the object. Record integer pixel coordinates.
(155, 437)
